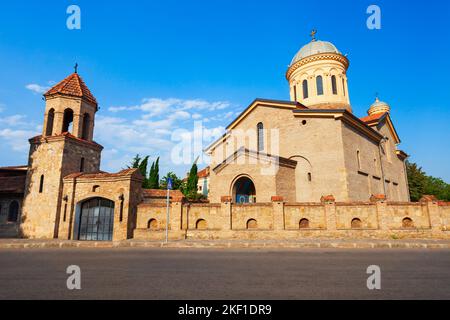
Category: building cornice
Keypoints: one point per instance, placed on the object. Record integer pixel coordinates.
(66, 137)
(317, 57)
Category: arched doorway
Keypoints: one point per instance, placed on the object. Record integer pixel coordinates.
(13, 212)
(244, 190)
(96, 220)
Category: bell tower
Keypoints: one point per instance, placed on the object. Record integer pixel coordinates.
(65, 146)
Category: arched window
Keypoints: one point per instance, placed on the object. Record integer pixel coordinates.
(305, 89)
(13, 213)
(82, 165)
(356, 223)
(86, 124)
(244, 191)
(95, 188)
(333, 84)
(295, 93)
(50, 119)
(358, 159)
(343, 86)
(152, 224)
(407, 223)
(68, 120)
(41, 184)
(304, 223)
(201, 224)
(319, 84)
(252, 224)
(260, 129)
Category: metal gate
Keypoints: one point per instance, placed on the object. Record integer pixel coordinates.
(96, 220)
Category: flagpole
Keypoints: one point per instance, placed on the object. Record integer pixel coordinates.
(167, 217)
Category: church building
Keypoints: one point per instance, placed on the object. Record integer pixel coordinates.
(297, 151)
(312, 145)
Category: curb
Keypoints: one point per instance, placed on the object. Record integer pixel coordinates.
(226, 245)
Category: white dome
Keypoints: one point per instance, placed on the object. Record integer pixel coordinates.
(314, 47)
(378, 107)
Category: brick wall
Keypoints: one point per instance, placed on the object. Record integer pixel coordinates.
(279, 220)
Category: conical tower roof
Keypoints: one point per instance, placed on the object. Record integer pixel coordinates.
(73, 86)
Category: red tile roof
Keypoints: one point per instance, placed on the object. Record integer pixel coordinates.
(122, 173)
(160, 193)
(373, 117)
(203, 173)
(73, 85)
(15, 184)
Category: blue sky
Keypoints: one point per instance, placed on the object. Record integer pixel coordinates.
(157, 66)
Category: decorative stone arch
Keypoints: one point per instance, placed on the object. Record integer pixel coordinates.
(252, 224)
(303, 223)
(356, 223)
(407, 223)
(318, 72)
(244, 188)
(152, 224)
(201, 224)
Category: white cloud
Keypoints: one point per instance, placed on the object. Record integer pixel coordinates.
(14, 120)
(15, 130)
(157, 106)
(16, 139)
(36, 88)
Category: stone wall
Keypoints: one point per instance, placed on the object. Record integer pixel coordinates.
(51, 159)
(279, 220)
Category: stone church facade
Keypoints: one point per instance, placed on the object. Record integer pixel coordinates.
(312, 145)
(283, 170)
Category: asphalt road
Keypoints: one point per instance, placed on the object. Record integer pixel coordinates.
(224, 274)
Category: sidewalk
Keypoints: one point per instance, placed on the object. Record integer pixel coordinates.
(282, 244)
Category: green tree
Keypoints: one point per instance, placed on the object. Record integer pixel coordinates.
(416, 181)
(153, 178)
(420, 183)
(135, 162)
(190, 191)
(143, 169)
(177, 183)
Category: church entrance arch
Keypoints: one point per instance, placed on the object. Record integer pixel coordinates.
(244, 190)
(96, 220)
